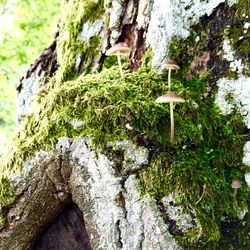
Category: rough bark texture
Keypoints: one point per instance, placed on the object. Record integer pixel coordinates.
(38, 203)
(115, 215)
(106, 186)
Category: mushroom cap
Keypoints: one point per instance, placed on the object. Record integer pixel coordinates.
(170, 64)
(169, 97)
(236, 184)
(118, 49)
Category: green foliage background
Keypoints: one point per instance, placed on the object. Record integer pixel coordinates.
(26, 30)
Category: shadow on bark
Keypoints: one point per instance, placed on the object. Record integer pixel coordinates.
(67, 232)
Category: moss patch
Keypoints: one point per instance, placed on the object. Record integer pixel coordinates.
(199, 168)
(207, 153)
(104, 102)
(74, 14)
(200, 172)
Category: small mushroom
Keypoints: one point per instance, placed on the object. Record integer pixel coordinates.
(119, 49)
(236, 184)
(170, 65)
(170, 97)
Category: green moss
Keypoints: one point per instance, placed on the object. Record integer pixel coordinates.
(75, 14)
(104, 102)
(200, 168)
(208, 146)
(239, 40)
(2, 221)
(186, 49)
(235, 233)
(243, 8)
(207, 153)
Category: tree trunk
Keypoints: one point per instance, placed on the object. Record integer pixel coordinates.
(90, 140)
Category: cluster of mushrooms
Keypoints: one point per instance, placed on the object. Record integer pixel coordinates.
(170, 97)
(121, 49)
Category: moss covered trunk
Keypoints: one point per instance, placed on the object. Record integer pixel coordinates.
(89, 137)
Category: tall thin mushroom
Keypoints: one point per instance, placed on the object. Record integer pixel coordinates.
(170, 65)
(236, 184)
(170, 97)
(119, 49)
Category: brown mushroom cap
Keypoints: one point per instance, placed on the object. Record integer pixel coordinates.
(170, 64)
(118, 49)
(236, 184)
(169, 97)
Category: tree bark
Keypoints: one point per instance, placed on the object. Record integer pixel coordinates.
(106, 186)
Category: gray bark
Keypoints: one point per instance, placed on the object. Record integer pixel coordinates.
(115, 215)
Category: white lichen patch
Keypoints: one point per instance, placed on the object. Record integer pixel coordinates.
(171, 18)
(234, 94)
(132, 227)
(18, 179)
(247, 178)
(63, 145)
(30, 87)
(229, 54)
(160, 30)
(157, 235)
(242, 213)
(143, 226)
(184, 221)
(90, 29)
(246, 160)
(115, 208)
(134, 157)
(128, 126)
(143, 14)
(115, 13)
(101, 187)
(246, 26)
(77, 124)
(78, 61)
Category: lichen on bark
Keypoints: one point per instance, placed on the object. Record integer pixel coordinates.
(197, 171)
(74, 15)
(105, 103)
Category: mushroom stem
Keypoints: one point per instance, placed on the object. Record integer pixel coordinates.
(120, 64)
(235, 193)
(169, 77)
(171, 123)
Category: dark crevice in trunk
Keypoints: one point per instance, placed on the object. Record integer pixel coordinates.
(134, 38)
(119, 242)
(140, 48)
(46, 63)
(67, 232)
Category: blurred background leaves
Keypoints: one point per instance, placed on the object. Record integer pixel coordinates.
(26, 29)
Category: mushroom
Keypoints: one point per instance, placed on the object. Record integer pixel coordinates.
(170, 97)
(236, 184)
(170, 65)
(119, 49)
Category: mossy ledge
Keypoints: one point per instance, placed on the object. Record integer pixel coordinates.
(200, 167)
